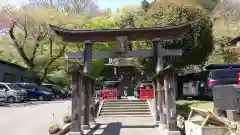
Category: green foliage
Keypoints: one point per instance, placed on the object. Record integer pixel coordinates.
(225, 27)
(197, 43)
(33, 41)
(206, 4)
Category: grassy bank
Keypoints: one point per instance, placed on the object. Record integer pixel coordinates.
(183, 106)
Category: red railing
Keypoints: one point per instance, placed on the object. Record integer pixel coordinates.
(146, 93)
(108, 94)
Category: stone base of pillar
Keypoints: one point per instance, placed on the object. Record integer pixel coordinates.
(85, 127)
(75, 133)
(163, 129)
(156, 123)
(172, 132)
(92, 122)
(233, 115)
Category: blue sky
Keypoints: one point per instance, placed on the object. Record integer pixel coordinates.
(103, 4)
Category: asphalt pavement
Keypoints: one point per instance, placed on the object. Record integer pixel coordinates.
(31, 118)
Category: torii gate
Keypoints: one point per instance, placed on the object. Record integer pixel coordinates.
(88, 37)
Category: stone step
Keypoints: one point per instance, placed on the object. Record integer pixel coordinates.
(125, 113)
(126, 110)
(125, 107)
(124, 103)
(114, 115)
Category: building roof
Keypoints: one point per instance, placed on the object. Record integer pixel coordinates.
(12, 65)
(133, 34)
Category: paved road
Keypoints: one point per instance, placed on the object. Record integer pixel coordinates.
(31, 119)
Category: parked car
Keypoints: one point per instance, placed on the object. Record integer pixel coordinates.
(142, 84)
(56, 90)
(13, 93)
(36, 92)
(215, 77)
(201, 84)
(2, 97)
(188, 85)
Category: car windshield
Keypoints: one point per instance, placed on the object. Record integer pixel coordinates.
(48, 86)
(14, 87)
(98, 86)
(146, 85)
(110, 84)
(147, 81)
(223, 74)
(57, 88)
(43, 88)
(28, 86)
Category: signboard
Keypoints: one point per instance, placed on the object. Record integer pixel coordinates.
(123, 62)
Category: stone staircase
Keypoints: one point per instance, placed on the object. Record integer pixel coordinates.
(125, 108)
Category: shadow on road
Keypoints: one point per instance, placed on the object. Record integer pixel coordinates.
(115, 128)
(111, 129)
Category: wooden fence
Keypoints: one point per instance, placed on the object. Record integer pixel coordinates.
(165, 102)
(83, 101)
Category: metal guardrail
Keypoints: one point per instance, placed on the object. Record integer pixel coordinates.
(107, 94)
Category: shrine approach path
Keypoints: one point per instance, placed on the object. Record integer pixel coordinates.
(126, 126)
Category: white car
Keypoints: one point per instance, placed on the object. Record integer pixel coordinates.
(12, 92)
(2, 97)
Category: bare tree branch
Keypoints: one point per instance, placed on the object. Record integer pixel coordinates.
(53, 59)
(19, 46)
(77, 6)
(39, 38)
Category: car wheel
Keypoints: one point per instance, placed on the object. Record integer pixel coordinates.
(41, 98)
(11, 99)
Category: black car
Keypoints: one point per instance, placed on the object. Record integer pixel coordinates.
(219, 74)
(56, 90)
(142, 84)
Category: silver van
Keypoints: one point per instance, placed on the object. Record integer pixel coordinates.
(13, 93)
(2, 97)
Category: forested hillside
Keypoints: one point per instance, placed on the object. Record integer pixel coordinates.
(33, 45)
